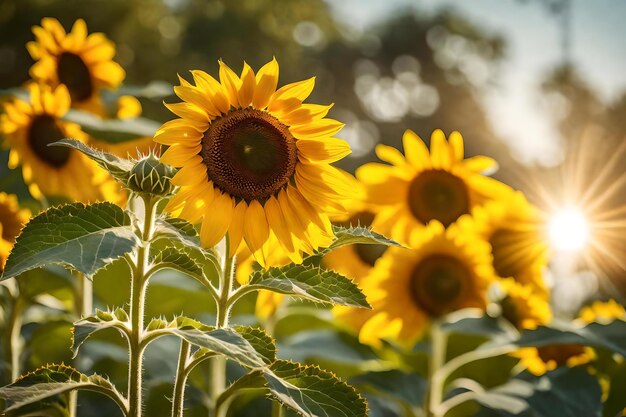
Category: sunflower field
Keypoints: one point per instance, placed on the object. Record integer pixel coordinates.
(228, 211)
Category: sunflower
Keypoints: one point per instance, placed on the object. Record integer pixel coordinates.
(522, 306)
(448, 271)
(355, 261)
(420, 186)
(12, 218)
(81, 62)
(52, 171)
(514, 229)
(543, 359)
(255, 161)
(602, 312)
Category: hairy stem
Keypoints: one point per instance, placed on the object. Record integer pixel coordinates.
(218, 363)
(137, 302)
(437, 361)
(13, 341)
(181, 379)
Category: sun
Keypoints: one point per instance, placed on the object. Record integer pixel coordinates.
(568, 230)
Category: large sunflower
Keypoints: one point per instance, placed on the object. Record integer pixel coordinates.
(52, 171)
(83, 63)
(12, 218)
(255, 161)
(540, 360)
(514, 229)
(447, 272)
(421, 186)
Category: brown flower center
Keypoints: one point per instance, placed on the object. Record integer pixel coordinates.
(514, 251)
(367, 253)
(560, 353)
(44, 130)
(249, 154)
(74, 73)
(438, 283)
(438, 195)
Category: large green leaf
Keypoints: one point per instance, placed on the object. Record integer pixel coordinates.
(117, 318)
(408, 388)
(310, 282)
(307, 390)
(82, 237)
(224, 341)
(565, 392)
(312, 392)
(610, 336)
(260, 340)
(118, 167)
(52, 380)
(178, 259)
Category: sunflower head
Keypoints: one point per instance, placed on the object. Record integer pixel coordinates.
(255, 161)
(543, 359)
(149, 176)
(81, 62)
(514, 229)
(29, 127)
(523, 307)
(12, 219)
(420, 186)
(407, 287)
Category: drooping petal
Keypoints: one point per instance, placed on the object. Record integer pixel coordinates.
(235, 232)
(217, 219)
(256, 230)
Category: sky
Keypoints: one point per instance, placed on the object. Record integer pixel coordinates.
(598, 50)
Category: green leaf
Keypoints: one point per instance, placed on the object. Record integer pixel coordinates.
(358, 234)
(610, 336)
(224, 341)
(178, 230)
(565, 392)
(82, 237)
(312, 392)
(261, 341)
(118, 167)
(409, 388)
(113, 130)
(85, 327)
(52, 380)
(310, 282)
(178, 259)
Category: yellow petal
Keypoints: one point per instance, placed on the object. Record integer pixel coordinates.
(213, 89)
(456, 146)
(317, 129)
(278, 225)
(191, 174)
(439, 151)
(306, 113)
(109, 73)
(231, 83)
(298, 91)
(415, 150)
(217, 219)
(256, 230)
(248, 82)
(481, 164)
(295, 223)
(391, 155)
(266, 81)
(198, 98)
(79, 31)
(301, 205)
(323, 150)
(178, 155)
(235, 232)
(188, 111)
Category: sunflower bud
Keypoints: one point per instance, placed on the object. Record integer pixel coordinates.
(151, 177)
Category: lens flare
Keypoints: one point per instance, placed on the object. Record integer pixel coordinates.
(568, 230)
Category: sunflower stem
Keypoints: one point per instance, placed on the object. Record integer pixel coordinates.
(137, 302)
(14, 330)
(437, 360)
(83, 306)
(181, 379)
(218, 363)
